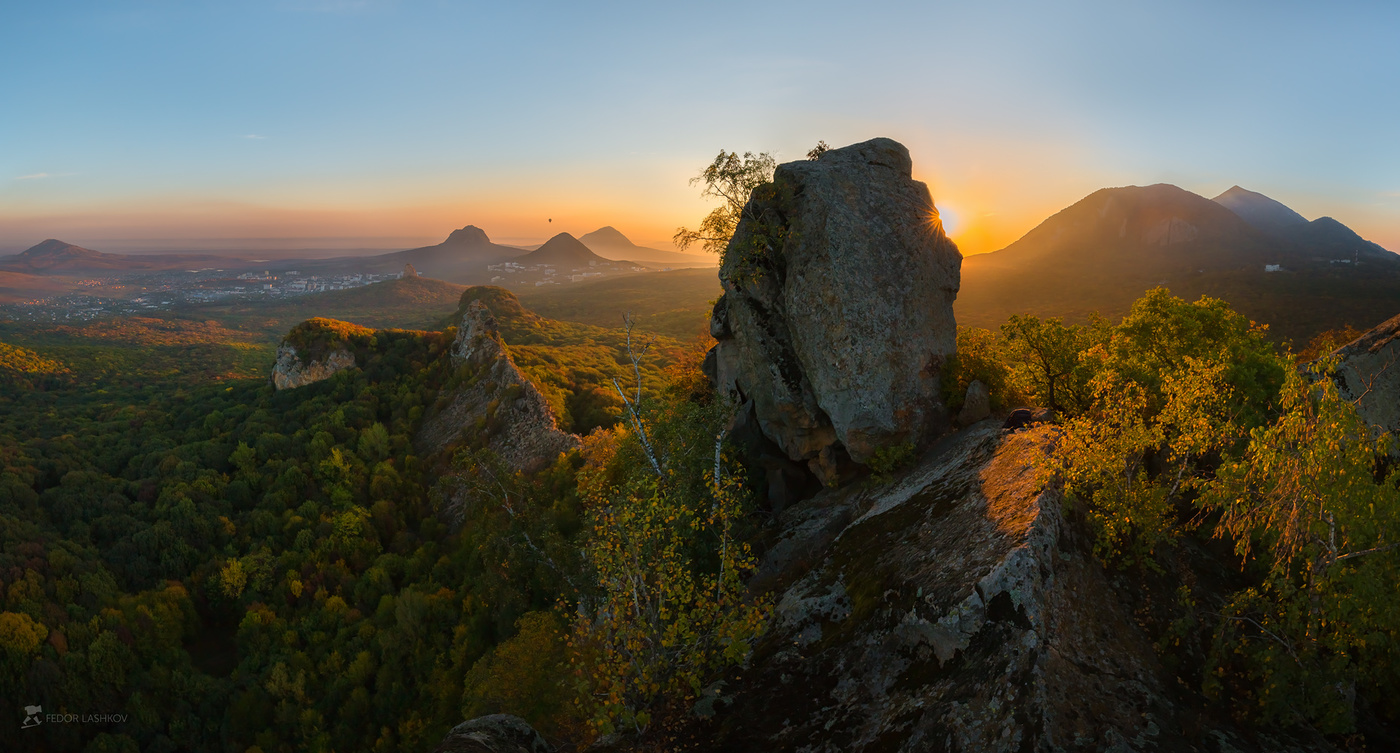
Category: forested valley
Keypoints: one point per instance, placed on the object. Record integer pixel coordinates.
(245, 569)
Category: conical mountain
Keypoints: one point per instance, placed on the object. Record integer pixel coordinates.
(607, 238)
(56, 254)
(563, 251)
(1323, 237)
(1261, 211)
(1332, 240)
(56, 257)
(610, 243)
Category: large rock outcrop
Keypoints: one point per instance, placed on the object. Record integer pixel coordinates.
(290, 372)
(837, 315)
(495, 405)
(953, 609)
(1368, 373)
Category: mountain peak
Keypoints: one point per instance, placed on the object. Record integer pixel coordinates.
(1260, 211)
(562, 249)
(606, 236)
(53, 247)
(471, 235)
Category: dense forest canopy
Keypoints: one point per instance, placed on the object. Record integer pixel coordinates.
(238, 568)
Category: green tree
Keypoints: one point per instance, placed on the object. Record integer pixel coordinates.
(1325, 619)
(983, 355)
(20, 634)
(731, 179)
(1046, 356)
(667, 607)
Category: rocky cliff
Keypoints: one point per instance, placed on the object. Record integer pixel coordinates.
(1368, 373)
(290, 372)
(952, 609)
(494, 404)
(837, 315)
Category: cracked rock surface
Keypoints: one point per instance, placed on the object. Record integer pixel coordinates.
(496, 402)
(948, 611)
(837, 315)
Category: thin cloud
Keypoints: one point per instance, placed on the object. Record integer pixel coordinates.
(255, 137)
(35, 176)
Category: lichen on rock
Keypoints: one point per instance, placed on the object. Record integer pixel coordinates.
(837, 315)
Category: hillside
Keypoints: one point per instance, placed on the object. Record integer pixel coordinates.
(20, 286)
(1104, 251)
(675, 303)
(405, 303)
(610, 243)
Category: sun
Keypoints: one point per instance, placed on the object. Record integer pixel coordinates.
(951, 221)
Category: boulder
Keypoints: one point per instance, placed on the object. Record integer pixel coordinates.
(290, 373)
(837, 316)
(977, 405)
(497, 733)
(1368, 373)
(496, 404)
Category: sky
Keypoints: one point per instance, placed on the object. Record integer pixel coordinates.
(170, 124)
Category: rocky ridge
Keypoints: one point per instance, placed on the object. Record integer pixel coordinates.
(1368, 374)
(496, 401)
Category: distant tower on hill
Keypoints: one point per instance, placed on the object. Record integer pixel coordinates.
(409, 271)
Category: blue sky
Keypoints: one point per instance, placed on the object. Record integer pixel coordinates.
(385, 123)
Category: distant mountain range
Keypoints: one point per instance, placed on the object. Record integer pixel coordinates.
(463, 258)
(1103, 252)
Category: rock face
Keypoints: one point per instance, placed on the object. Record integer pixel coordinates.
(950, 610)
(977, 405)
(497, 733)
(290, 372)
(1369, 374)
(837, 315)
(496, 402)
